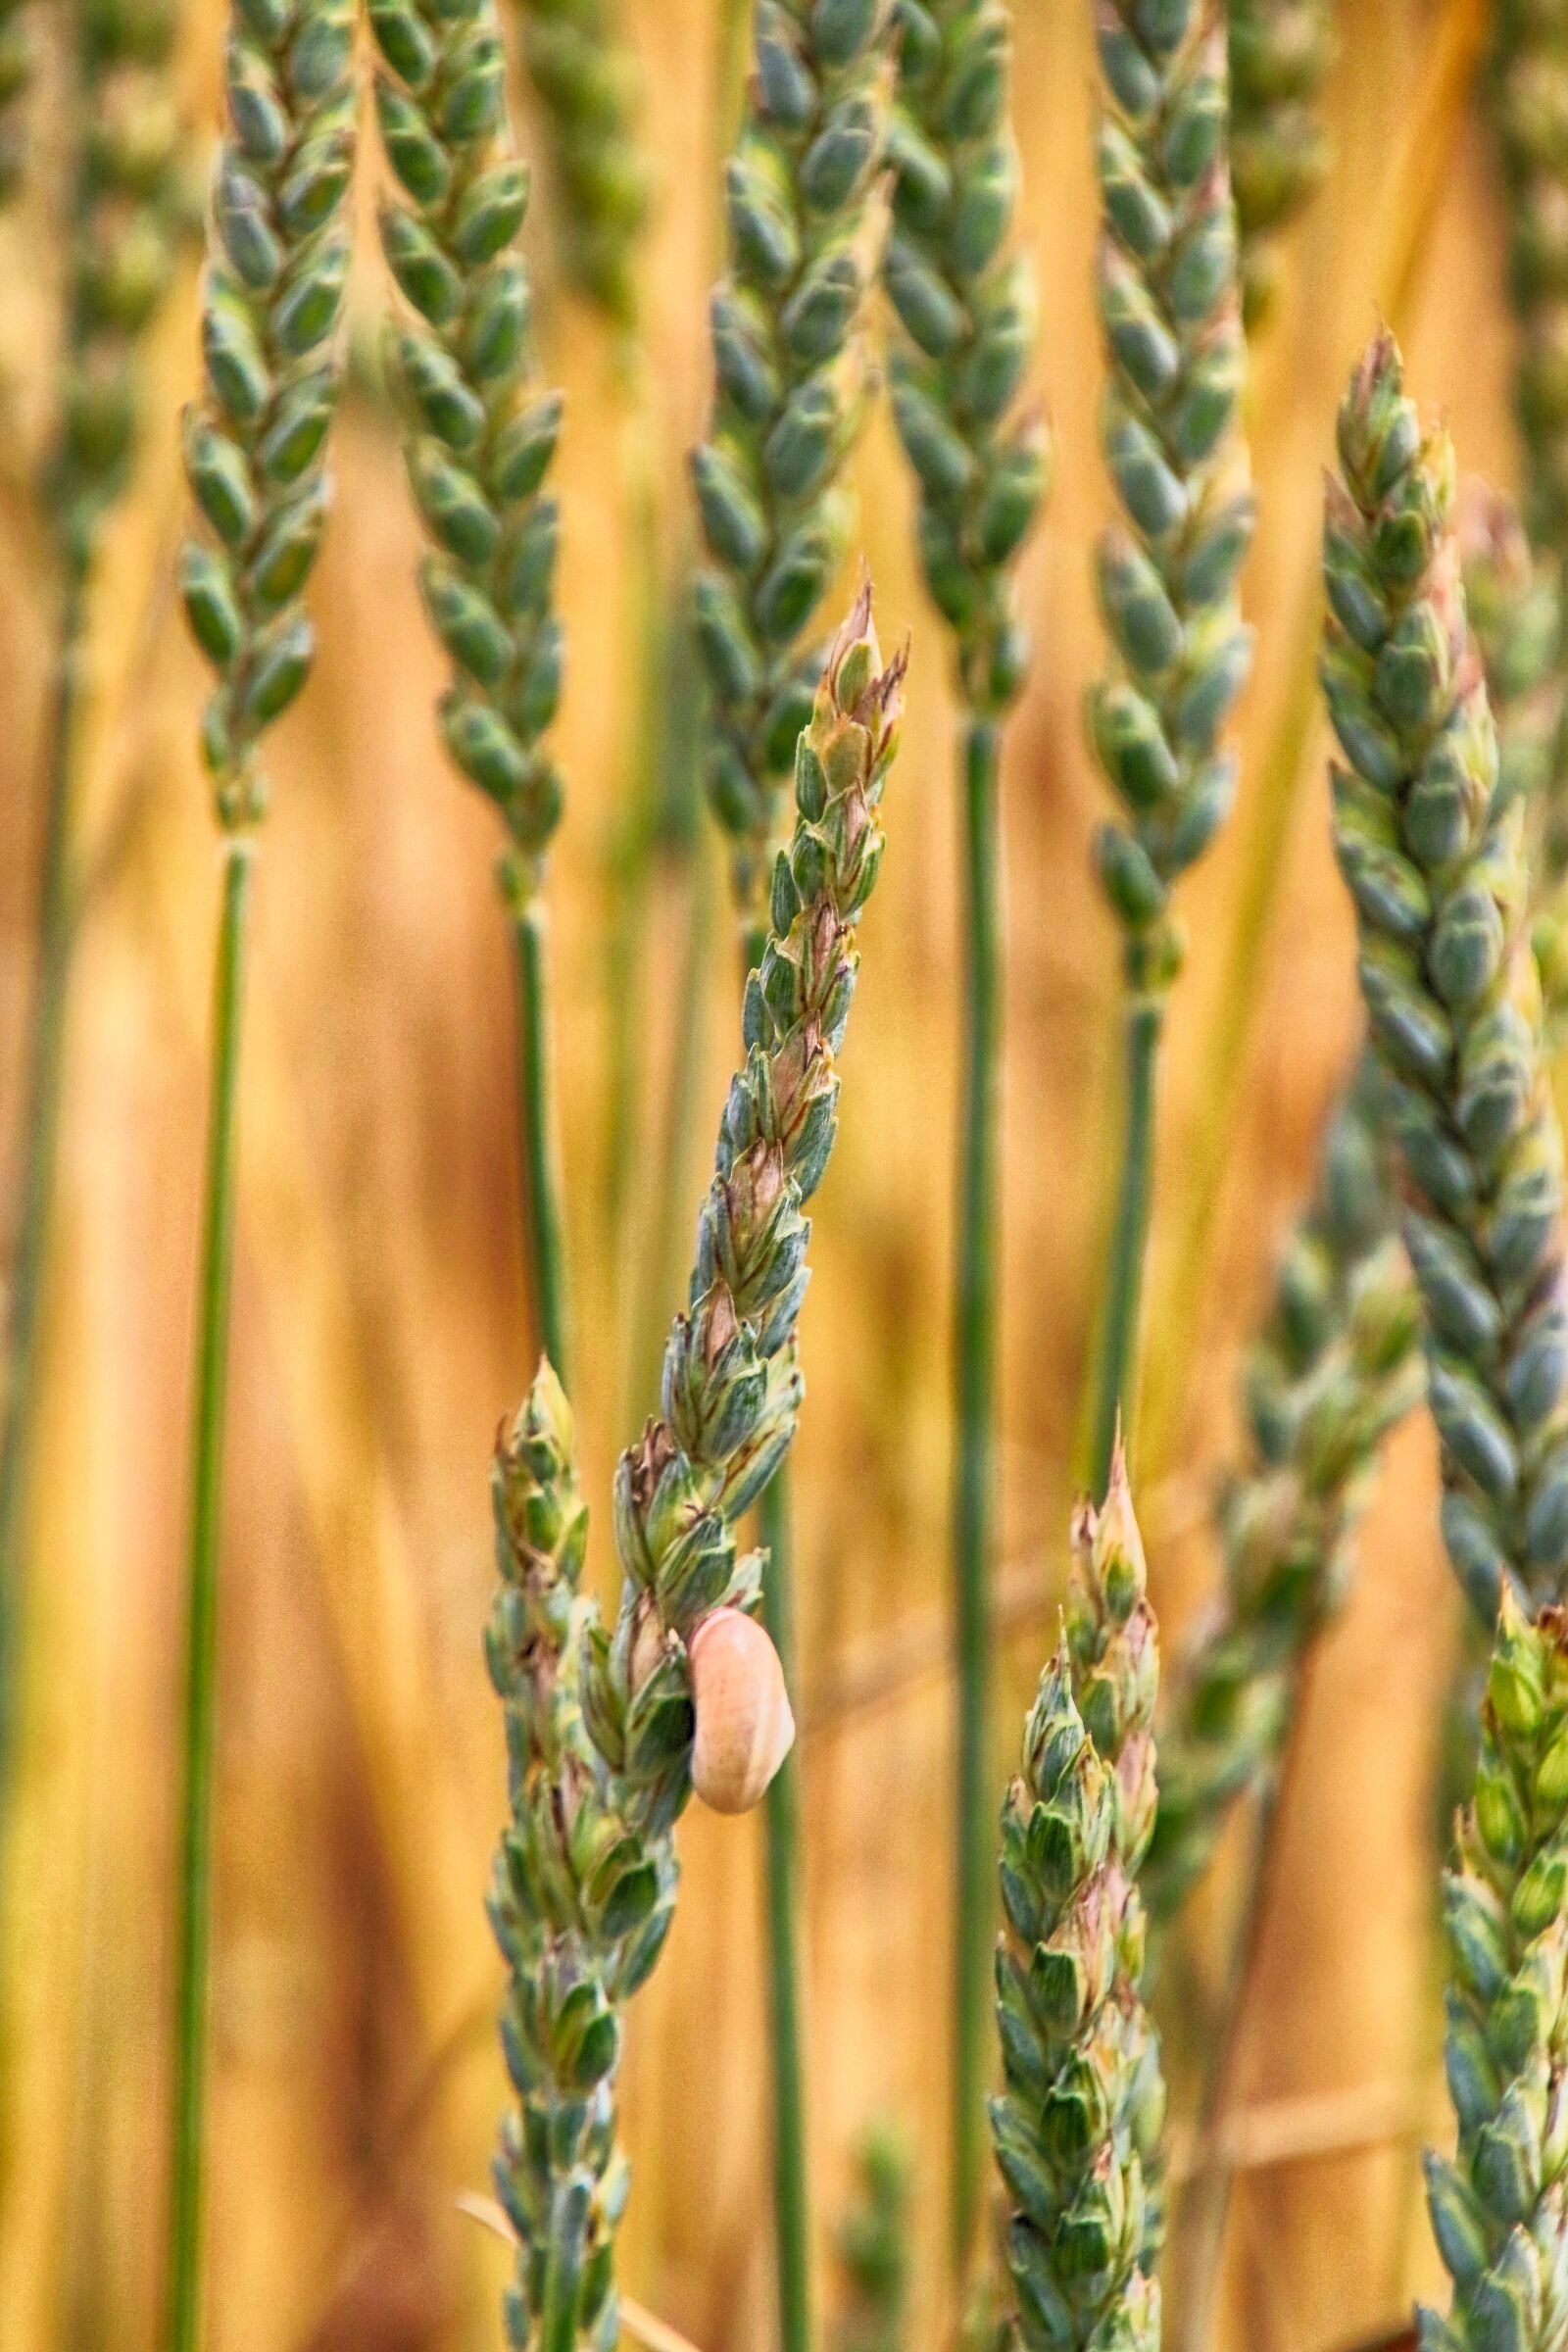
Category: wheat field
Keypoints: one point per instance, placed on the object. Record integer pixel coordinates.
(382, 1328)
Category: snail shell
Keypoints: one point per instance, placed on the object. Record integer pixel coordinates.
(744, 1725)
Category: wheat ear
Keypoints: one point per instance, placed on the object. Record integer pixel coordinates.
(1337, 1365)
(790, 366)
(579, 1903)
(874, 2248)
(1338, 1368)
(1078, 2125)
(732, 1384)
(1437, 871)
(1171, 313)
(1499, 2209)
(255, 451)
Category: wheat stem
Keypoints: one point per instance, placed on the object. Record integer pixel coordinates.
(1116, 1374)
(645, 823)
(974, 1511)
(205, 1514)
(791, 2195)
(541, 1143)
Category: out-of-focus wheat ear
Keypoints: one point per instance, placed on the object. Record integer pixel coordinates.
(583, 74)
(1280, 54)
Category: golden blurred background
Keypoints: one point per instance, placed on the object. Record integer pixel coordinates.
(381, 1328)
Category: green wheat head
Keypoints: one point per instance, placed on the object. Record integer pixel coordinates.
(1437, 871)
(732, 1384)
(126, 208)
(1499, 2209)
(579, 1904)
(791, 392)
(1078, 2126)
(18, 62)
(255, 442)
(1170, 310)
(874, 2247)
(964, 299)
(1338, 1364)
(481, 433)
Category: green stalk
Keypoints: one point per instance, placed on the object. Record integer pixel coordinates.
(642, 824)
(975, 1370)
(791, 2202)
(40, 1146)
(541, 1143)
(1116, 1378)
(207, 1494)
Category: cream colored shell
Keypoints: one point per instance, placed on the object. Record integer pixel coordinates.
(744, 1724)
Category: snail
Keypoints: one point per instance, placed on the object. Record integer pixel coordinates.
(745, 1728)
